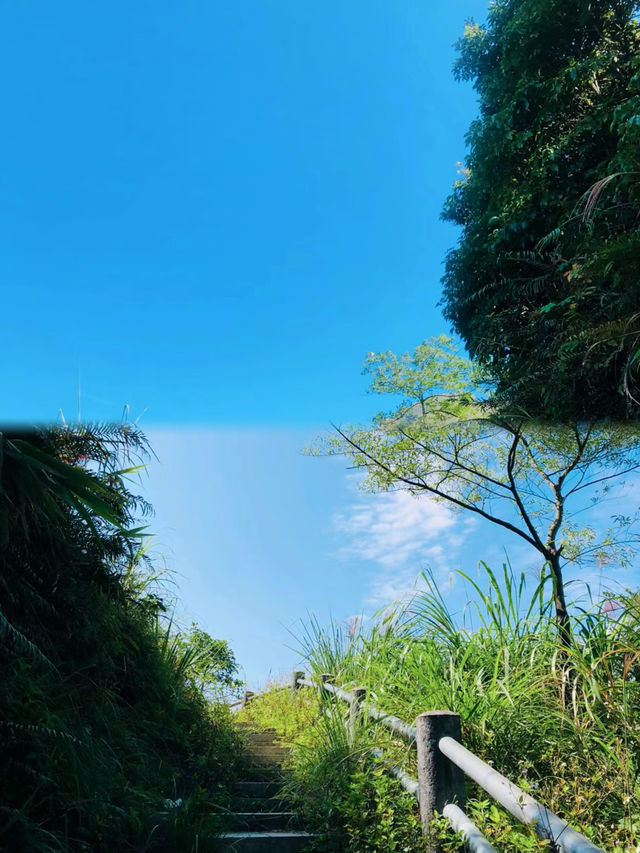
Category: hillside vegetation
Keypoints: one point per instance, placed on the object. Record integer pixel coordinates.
(107, 741)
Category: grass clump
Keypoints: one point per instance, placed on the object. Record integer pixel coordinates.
(563, 724)
(107, 739)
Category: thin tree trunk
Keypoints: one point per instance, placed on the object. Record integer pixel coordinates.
(559, 601)
(563, 624)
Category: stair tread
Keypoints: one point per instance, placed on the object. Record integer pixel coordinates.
(267, 814)
(267, 747)
(270, 833)
(255, 805)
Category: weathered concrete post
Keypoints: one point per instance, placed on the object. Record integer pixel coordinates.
(440, 781)
(247, 697)
(358, 697)
(325, 678)
(295, 675)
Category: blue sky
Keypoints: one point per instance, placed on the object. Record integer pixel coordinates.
(212, 210)
(259, 537)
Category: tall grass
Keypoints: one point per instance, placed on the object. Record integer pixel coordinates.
(563, 724)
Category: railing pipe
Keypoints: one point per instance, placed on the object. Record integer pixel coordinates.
(338, 691)
(409, 784)
(459, 822)
(394, 723)
(330, 688)
(521, 805)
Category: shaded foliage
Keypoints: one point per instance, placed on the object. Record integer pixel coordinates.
(105, 743)
(543, 285)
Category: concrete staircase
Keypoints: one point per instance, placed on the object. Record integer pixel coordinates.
(262, 824)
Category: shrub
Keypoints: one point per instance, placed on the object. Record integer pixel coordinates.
(106, 743)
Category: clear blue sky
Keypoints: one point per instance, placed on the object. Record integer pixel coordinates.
(212, 210)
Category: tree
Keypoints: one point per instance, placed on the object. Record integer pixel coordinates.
(543, 286)
(212, 666)
(443, 440)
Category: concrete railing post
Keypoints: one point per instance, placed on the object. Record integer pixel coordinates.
(439, 780)
(247, 697)
(295, 675)
(325, 678)
(358, 697)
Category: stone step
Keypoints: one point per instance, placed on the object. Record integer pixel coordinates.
(260, 737)
(266, 754)
(258, 788)
(277, 803)
(264, 821)
(266, 842)
(265, 773)
(247, 728)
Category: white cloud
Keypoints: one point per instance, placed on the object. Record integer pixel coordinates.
(391, 527)
(402, 535)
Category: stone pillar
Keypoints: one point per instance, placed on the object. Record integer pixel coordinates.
(358, 697)
(440, 781)
(295, 675)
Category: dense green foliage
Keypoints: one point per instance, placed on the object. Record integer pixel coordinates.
(503, 670)
(106, 739)
(212, 668)
(543, 286)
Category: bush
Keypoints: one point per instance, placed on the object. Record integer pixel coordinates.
(106, 741)
(561, 723)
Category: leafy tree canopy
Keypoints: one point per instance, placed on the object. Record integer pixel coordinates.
(210, 664)
(543, 285)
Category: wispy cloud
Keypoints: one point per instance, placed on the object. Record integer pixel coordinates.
(390, 528)
(400, 535)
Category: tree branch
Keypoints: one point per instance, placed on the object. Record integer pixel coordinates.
(537, 544)
(535, 538)
(454, 461)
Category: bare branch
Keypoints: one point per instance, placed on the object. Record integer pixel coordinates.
(602, 479)
(443, 495)
(535, 538)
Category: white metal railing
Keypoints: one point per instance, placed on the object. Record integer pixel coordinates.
(517, 802)
(441, 761)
